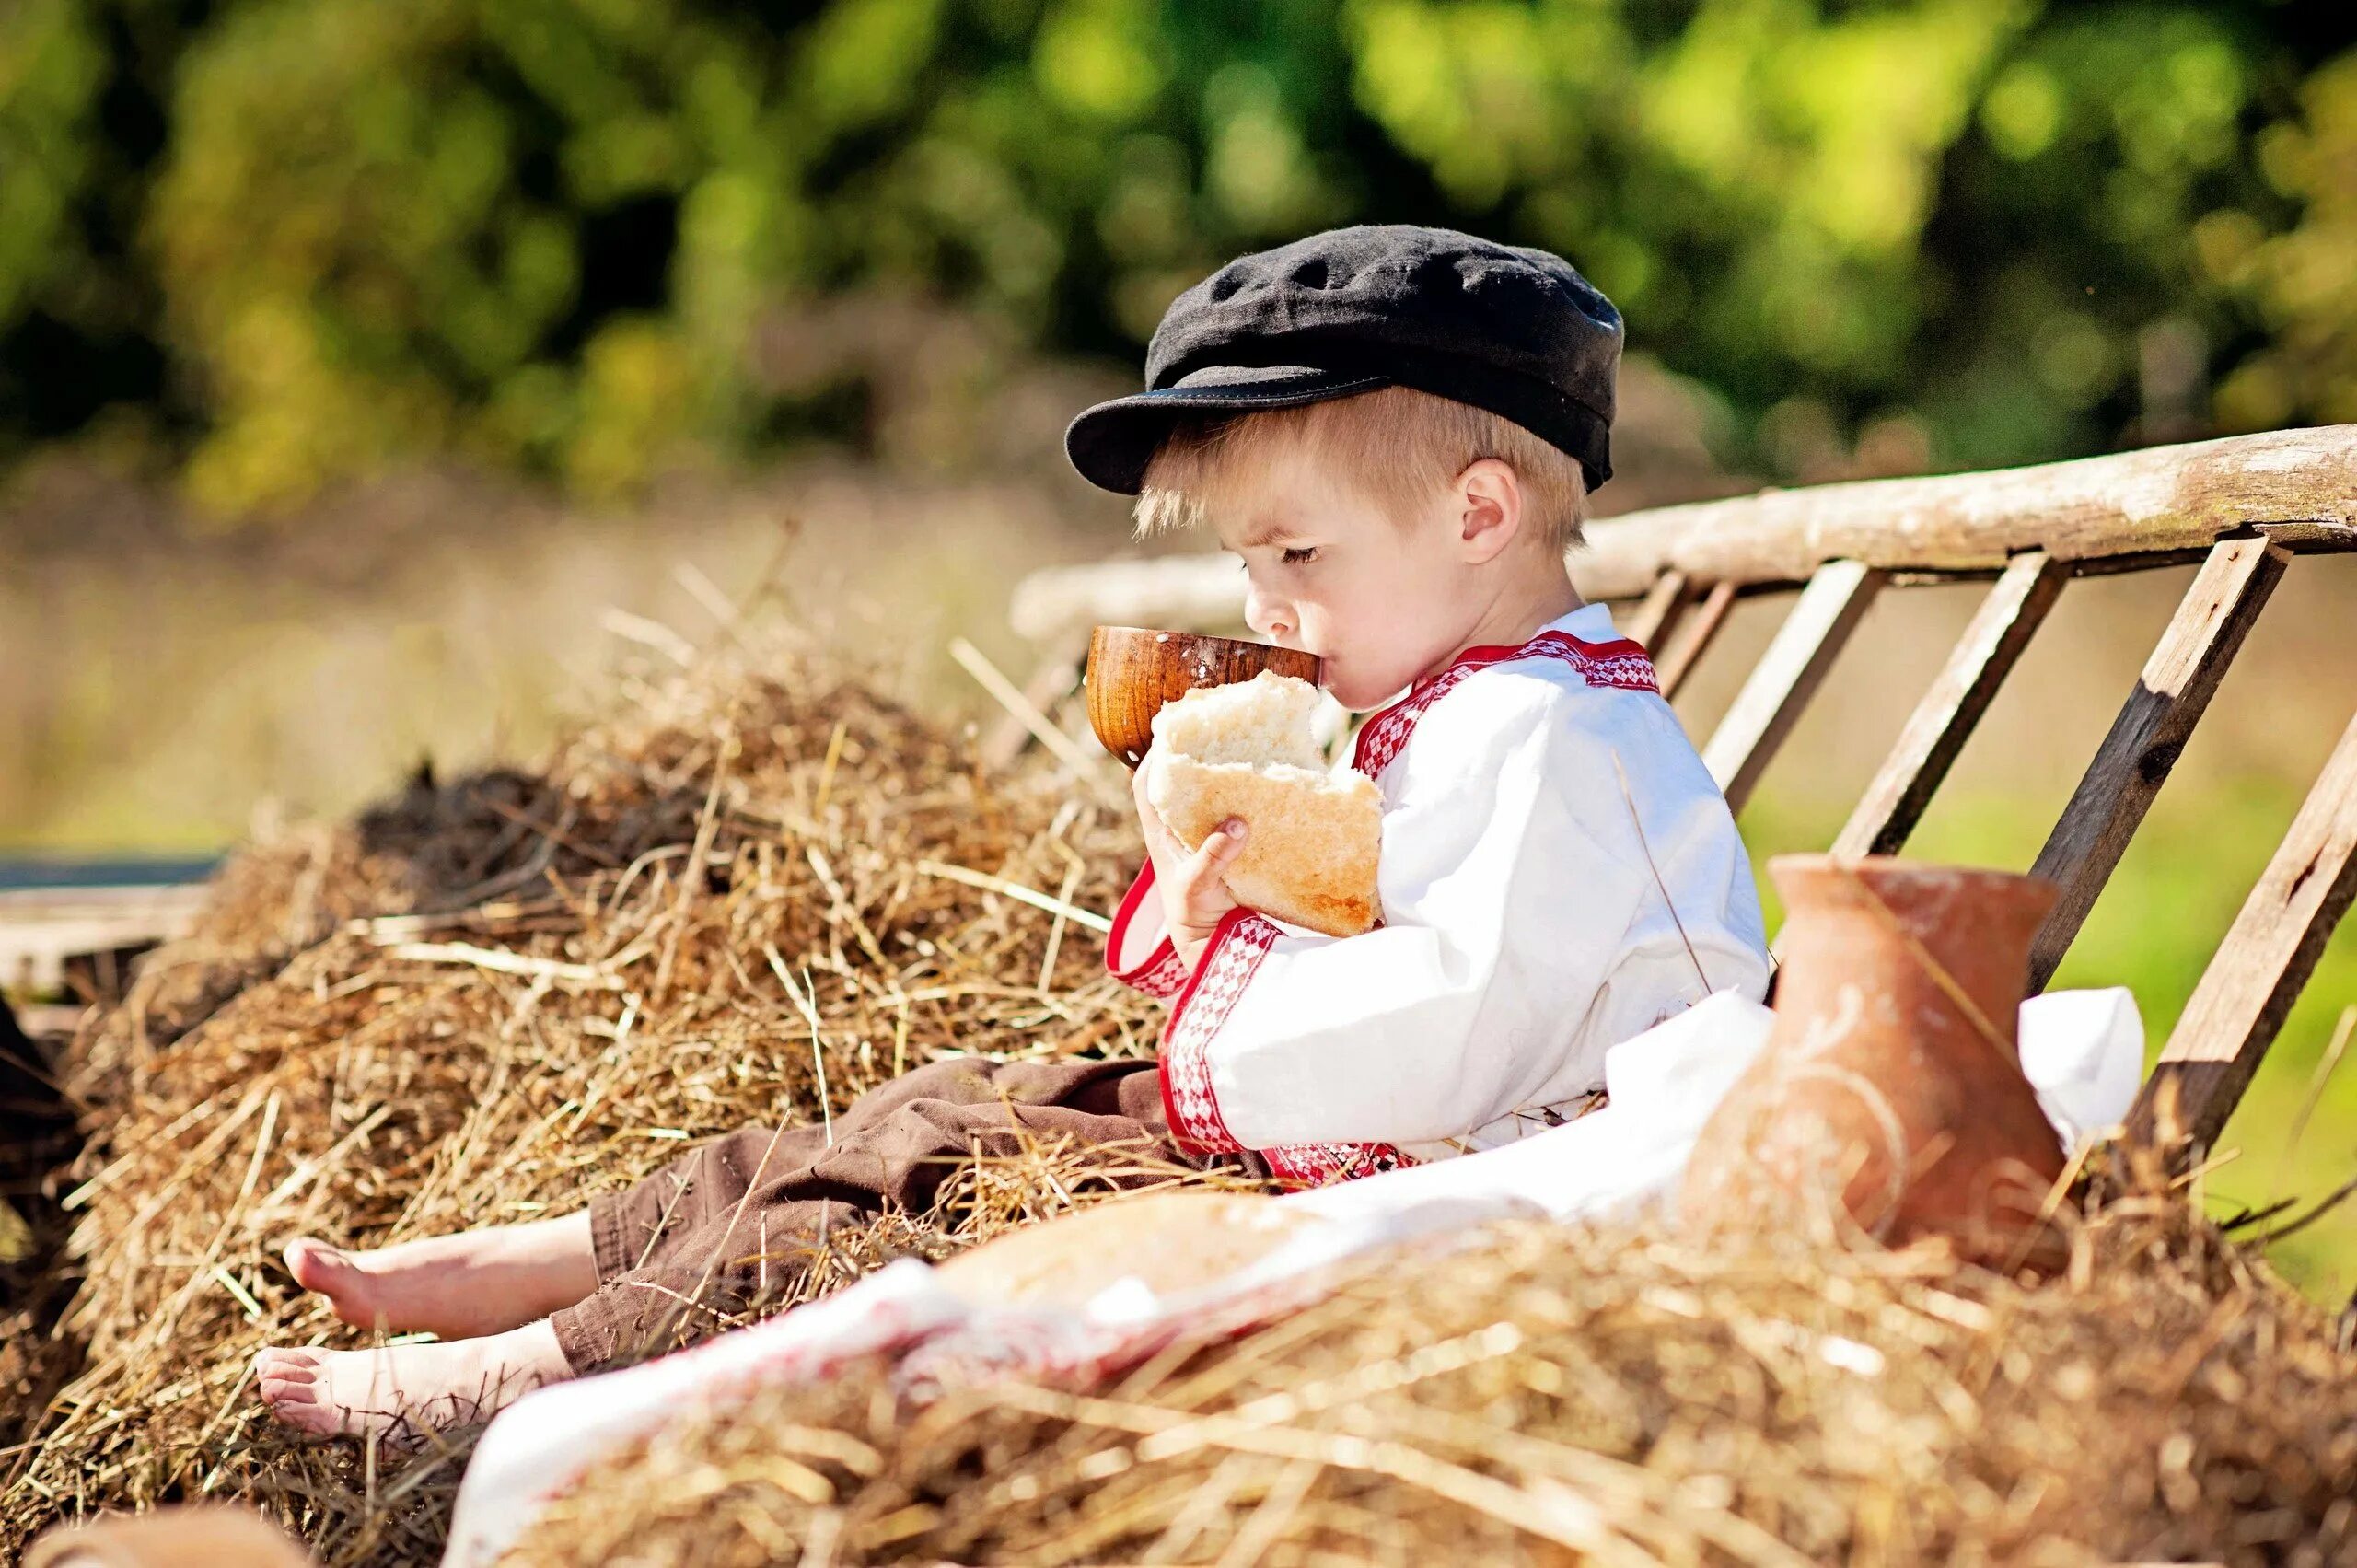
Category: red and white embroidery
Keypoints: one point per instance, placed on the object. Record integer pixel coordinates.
(1242, 940)
(1163, 973)
(1322, 1164)
(1163, 977)
(1621, 664)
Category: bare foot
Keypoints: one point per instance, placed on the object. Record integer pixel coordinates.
(402, 1391)
(455, 1287)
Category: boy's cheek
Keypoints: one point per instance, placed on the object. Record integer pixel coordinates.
(1346, 685)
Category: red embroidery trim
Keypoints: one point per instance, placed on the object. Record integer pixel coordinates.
(1163, 973)
(1238, 943)
(1244, 938)
(1167, 978)
(1322, 1164)
(1191, 1103)
(1619, 664)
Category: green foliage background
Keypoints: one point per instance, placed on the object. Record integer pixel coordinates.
(284, 243)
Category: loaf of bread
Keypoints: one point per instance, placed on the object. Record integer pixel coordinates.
(1248, 751)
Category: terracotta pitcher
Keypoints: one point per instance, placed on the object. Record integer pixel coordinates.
(1891, 1087)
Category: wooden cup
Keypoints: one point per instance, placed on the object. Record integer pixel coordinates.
(1134, 670)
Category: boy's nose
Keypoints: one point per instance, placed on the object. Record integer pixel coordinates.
(1270, 617)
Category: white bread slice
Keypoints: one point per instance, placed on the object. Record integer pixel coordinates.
(1248, 751)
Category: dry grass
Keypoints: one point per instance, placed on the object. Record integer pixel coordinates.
(489, 997)
(1557, 1395)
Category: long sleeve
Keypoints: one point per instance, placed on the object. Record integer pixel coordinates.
(1138, 950)
(1523, 933)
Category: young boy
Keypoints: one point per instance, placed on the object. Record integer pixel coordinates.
(1558, 871)
(1395, 428)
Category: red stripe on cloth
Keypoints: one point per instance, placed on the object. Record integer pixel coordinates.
(1322, 1164)
(1188, 1102)
(1161, 975)
(1621, 664)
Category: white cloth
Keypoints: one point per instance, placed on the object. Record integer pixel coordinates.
(538, 1447)
(1559, 872)
(2083, 1052)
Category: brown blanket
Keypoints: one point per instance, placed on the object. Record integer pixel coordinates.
(735, 1219)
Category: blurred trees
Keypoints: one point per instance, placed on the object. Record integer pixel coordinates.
(284, 242)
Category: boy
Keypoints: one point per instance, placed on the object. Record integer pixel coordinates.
(1558, 871)
(1395, 428)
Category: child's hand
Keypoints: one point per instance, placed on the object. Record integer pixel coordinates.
(1193, 885)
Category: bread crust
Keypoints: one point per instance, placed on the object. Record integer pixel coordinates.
(1310, 854)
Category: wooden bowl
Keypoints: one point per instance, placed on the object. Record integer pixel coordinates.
(1134, 670)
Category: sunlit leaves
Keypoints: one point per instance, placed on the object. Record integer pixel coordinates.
(2304, 280)
(1494, 93)
(1100, 58)
(51, 66)
(2023, 109)
(861, 60)
(567, 235)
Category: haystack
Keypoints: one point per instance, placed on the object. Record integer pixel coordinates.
(755, 889)
(1560, 1394)
(759, 888)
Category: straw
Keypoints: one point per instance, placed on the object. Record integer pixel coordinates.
(444, 1014)
(1550, 1394)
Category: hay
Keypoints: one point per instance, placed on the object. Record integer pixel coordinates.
(1556, 1395)
(484, 999)
(491, 995)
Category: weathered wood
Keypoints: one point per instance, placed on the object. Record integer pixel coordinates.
(2152, 729)
(1010, 698)
(43, 930)
(44, 1019)
(1935, 733)
(1658, 612)
(1055, 677)
(1695, 635)
(1178, 593)
(1787, 675)
(2267, 958)
(2298, 487)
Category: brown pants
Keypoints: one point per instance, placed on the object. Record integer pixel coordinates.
(732, 1217)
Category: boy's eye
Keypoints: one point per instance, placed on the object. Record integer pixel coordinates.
(1301, 555)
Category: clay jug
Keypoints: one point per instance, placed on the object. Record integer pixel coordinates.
(1890, 1090)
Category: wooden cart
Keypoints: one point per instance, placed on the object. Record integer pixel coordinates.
(2243, 508)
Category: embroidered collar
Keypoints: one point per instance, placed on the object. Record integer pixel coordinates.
(1608, 660)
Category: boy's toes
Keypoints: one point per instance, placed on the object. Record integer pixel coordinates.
(284, 1374)
(292, 1383)
(317, 1420)
(317, 1266)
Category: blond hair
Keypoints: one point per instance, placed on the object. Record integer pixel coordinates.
(1395, 446)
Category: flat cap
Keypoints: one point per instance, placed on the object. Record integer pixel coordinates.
(1506, 327)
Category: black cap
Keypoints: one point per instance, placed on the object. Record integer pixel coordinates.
(1502, 327)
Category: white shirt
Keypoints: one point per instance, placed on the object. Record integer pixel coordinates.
(1559, 873)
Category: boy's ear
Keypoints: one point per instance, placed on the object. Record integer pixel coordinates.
(1489, 501)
